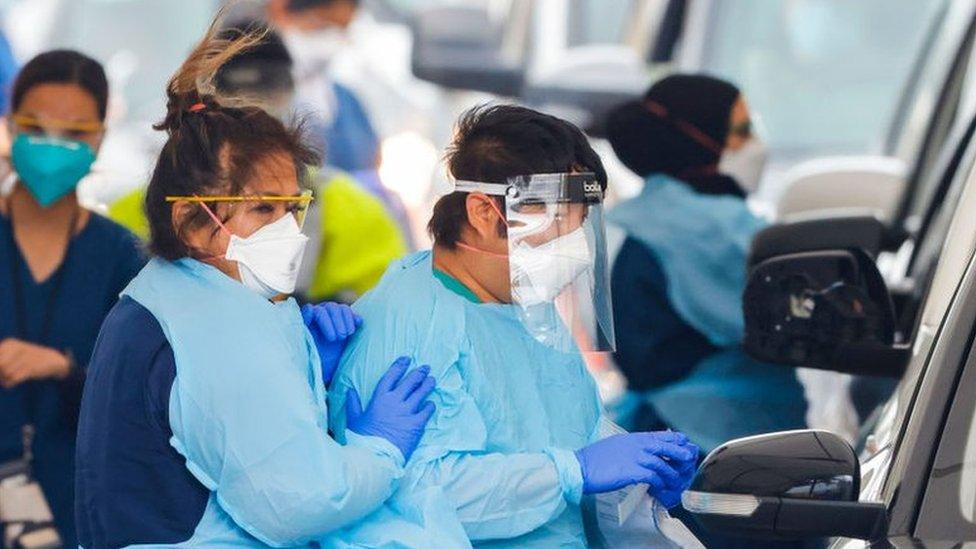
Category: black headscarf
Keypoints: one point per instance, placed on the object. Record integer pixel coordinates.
(679, 128)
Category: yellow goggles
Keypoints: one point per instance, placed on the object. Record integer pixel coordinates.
(303, 199)
(33, 124)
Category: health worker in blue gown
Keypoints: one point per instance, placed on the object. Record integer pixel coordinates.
(316, 33)
(204, 419)
(61, 270)
(679, 265)
(518, 438)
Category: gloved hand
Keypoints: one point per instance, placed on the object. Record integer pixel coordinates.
(331, 325)
(670, 497)
(398, 410)
(654, 459)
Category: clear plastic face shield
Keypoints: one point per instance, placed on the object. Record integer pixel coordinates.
(557, 253)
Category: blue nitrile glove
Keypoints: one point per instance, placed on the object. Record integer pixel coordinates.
(331, 325)
(635, 458)
(398, 410)
(671, 496)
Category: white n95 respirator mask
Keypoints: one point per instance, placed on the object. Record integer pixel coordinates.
(745, 165)
(541, 273)
(269, 260)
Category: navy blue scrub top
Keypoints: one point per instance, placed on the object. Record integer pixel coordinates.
(655, 346)
(132, 486)
(100, 262)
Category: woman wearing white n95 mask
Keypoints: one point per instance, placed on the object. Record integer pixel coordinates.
(205, 406)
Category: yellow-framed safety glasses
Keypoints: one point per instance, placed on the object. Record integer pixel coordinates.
(302, 201)
(69, 128)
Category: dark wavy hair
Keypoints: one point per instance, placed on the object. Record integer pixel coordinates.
(215, 141)
(493, 143)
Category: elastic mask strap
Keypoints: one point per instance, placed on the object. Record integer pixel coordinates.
(471, 248)
(216, 219)
(686, 127)
(710, 169)
(219, 224)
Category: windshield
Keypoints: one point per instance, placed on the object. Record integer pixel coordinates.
(861, 52)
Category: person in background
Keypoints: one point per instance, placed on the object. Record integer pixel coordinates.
(61, 269)
(518, 437)
(680, 271)
(352, 235)
(204, 422)
(8, 71)
(316, 31)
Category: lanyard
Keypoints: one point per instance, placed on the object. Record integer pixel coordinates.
(20, 305)
(20, 311)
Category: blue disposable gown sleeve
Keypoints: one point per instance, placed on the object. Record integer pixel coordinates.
(496, 495)
(500, 496)
(271, 463)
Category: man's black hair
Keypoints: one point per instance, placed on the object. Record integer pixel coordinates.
(493, 143)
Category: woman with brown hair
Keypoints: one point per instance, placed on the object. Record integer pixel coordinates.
(204, 421)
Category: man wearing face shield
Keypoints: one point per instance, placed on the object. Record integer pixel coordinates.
(353, 236)
(515, 286)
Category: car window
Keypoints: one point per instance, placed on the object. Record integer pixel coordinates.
(861, 52)
(948, 510)
(953, 116)
(955, 252)
(920, 97)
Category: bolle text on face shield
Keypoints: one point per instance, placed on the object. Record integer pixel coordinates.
(557, 254)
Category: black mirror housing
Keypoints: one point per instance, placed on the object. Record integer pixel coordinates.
(810, 234)
(790, 485)
(825, 309)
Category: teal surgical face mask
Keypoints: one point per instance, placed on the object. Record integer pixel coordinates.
(50, 167)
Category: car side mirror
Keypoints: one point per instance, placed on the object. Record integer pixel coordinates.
(464, 48)
(867, 183)
(826, 309)
(820, 232)
(789, 485)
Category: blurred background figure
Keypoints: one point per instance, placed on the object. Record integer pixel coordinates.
(315, 32)
(61, 270)
(680, 271)
(353, 235)
(8, 71)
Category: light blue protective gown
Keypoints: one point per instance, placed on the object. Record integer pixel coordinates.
(497, 456)
(702, 243)
(248, 412)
